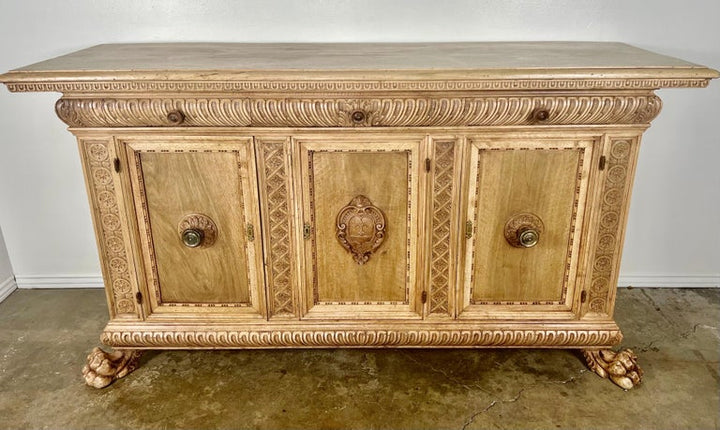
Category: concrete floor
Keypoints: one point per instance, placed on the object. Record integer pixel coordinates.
(46, 334)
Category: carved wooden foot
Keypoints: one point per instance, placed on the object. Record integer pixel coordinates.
(620, 367)
(103, 368)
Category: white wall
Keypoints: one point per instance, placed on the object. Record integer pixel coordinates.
(673, 234)
(7, 281)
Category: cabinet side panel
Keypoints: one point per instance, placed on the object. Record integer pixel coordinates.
(609, 226)
(106, 202)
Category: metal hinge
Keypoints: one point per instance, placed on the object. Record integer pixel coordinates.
(583, 296)
(423, 297)
(116, 164)
(468, 230)
(250, 232)
(602, 163)
(427, 164)
(138, 298)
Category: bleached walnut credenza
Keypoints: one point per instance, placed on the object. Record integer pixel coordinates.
(359, 195)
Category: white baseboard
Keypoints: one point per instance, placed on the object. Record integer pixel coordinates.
(96, 281)
(7, 287)
(59, 281)
(670, 281)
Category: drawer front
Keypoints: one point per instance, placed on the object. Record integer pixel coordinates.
(360, 210)
(524, 218)
(198, 220)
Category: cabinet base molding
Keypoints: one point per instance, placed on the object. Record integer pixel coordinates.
(241, 337)
(620, 367)
(103, 368)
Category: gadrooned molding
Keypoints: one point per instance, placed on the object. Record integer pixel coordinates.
(491, 110)
(206, 337)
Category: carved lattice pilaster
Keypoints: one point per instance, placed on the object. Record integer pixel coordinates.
(278, 218)
(442, 192)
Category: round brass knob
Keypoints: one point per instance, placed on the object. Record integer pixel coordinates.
(192, 238)
(523, 230)
(528, 238)
(358, 116)
(175, 117)
(541, 115)
(197, 231)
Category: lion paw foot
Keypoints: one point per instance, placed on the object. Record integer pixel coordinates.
(620, 367)
(103, 368)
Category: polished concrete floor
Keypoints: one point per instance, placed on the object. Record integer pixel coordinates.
(45, 335)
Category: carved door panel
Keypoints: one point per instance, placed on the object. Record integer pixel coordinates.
(526, 200)
(198, 222)
(361, 216)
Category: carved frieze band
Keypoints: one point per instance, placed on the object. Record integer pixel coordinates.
(440, 273)
(375, 112)
(568, 338)
(278, 216)
(605, 259)
(99, 171)
(145, 86)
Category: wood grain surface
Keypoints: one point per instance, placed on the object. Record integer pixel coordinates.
(179, 184)
(513, 181)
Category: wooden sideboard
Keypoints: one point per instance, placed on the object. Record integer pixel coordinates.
(359, 195)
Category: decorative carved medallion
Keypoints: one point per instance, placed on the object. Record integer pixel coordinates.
(360, 228)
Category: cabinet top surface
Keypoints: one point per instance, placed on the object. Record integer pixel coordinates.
(476, 61)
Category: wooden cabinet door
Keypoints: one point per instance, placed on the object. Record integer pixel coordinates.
(525, 208)
(361, 211)
(197, 208)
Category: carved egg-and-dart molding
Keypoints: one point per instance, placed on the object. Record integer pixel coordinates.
(360, 228)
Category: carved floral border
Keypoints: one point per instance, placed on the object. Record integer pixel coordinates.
(612, 215)
(107, 217)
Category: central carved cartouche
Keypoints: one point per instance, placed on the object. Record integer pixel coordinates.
(360, 228)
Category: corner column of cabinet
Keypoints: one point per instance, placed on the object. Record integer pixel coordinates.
(111, 209)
